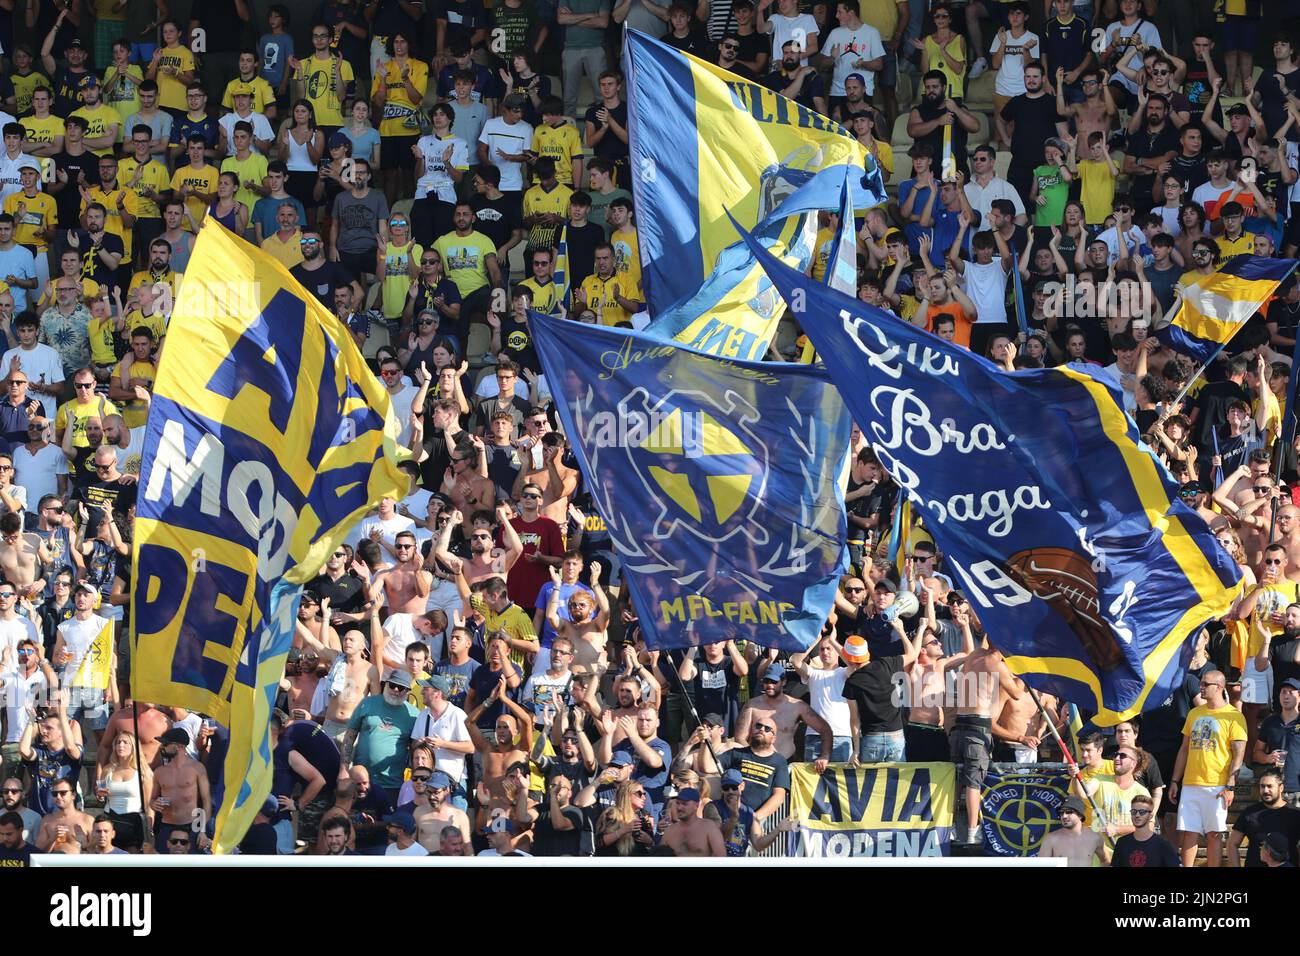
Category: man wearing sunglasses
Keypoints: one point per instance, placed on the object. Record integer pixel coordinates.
(1143, 848)
(26, 679)
(321, 275)
(1205, 773)
(379, 733)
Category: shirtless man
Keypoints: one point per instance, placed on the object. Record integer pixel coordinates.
(153, 723)
(406, 586)
(351, 677)
(1097, 113)
(785, 712)
(497, 757)
(1072, 841)
(1019, 727)
(587, 624)
(316, 623)
(627, 696)
(1287, 533)
(690, 833)
(438, 813)
(483, 562)
(982, 673)
(20, 554)
(180, 787)
(65, 822)
(466, 481)
(557, 480)
(1249, 506)
(928, 686)
(300, 680)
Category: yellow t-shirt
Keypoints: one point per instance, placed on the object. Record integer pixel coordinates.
(252, 169)
(145, 277)
(136, 412)
(38, 212)
(263, 95)
(318, 75)
(1211, 733)
(881, 14)
(104, 10)
(203, 180)
(1272, 598)
(545, 297)
(156, 323)
(41, 131)
(397, 277)
(102, 337)
(171, 91)
(89, 287)
(822, 253)
(23, 87)
(125, 98)
(956, 81)
(1096, 189)
(561, 143)
(113, 220)
(884, 154)
(98, 119)
(627, 257)
(288, 254)
(513, 622)
(398, 116)
(153, 176)
(464, 260)
(1243, 245)
(538, 202)
(1115, 804)
(600, 298)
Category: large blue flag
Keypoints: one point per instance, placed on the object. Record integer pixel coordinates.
(1214, 308)
(1065, 533)
(718, 481)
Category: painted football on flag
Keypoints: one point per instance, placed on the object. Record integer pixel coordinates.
(1066, 581)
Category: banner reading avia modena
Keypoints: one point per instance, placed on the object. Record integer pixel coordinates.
(901, 809)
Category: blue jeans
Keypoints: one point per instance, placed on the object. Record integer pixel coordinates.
(841, 748)
(882, 748)
(284, 837)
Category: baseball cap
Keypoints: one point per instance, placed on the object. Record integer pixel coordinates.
(403, 820)
(177, 735)
(398, 676)
(857, 76)
(437, 682)
(1071, 803)
(689, 795)
(1291, 682)
(515, 101)
(731, 778)
(855, 649)
(1190, 488)
(715, 720)
(884, 584)
(775, 672)
(84, 586)
(439, 779)
(87, 80)
(74, 44)
(621, 759)
(336, 140)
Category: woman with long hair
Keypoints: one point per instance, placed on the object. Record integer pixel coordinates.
(627, 828)
(119, 788)
(944, 49)
(1191, 217)
(301, 146)
(228, 210)
(365, 138)
(397, 91)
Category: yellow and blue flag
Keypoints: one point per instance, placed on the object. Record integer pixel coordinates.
(1061, 528)
(1216, 307)
(704, 141)
(96, 666)
(714, 479)
(268, 438)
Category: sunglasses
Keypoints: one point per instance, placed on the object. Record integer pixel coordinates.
(765, 728)
(1135, 812)
(730, 786)
(423, 778)
(12, 790)
(178, 842)
(531, 494)
(84, 384)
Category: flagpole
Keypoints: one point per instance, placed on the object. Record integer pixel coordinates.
(1069, 759)
(1199, 372)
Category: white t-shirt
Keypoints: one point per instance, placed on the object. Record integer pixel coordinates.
(847, 47)
(1147, 32)
(38, 473)
(491, 852)
(413, 850)
(1011, 74)
(41, 363)
(508, 138)
(987, 287)
(450, 726)
(401, 403)
(1111, 238)
(543, 689)
(11, 632)
(19, 691)
(1126, 382)
(388, 530)
(261, 128)
(826, 698)
(129, 458)
(437, 179)
(784, 28)
(77, 638)
(981, 198)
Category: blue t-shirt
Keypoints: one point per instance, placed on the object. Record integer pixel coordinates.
(265, 210)
(363, 146)
(20, 263)
(544, 596)
(914, 230)
(49, 767)
(458, 675)
(736, 841)
(1279, 735)
(484, 680)
(274, 50)
(383, 734)
(310, 741)
(652, 778)
(185, 127)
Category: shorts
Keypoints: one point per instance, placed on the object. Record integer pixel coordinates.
(926, 743)
(1256, 686)
(309, 816)
(972, 746)
(90, 705)
(395, 152)
(336, 731)
(301, 185)
(359, 263)
(1238, 33)
(1201, 811)
(888, 75)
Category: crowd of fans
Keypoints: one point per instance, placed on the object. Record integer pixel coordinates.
(468, 676)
